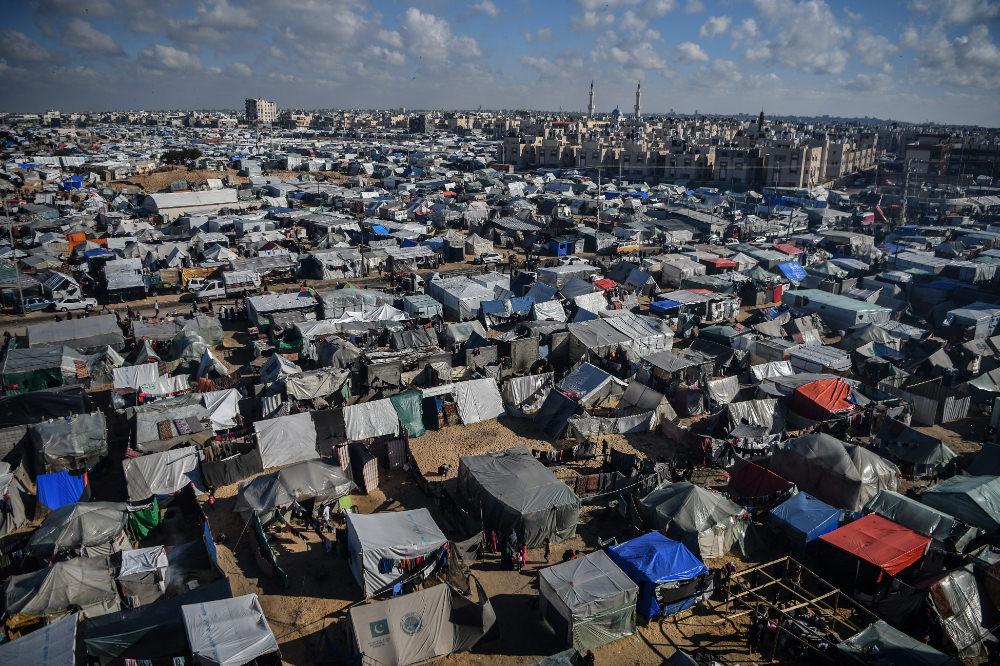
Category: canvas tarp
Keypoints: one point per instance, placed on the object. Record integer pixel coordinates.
(420, 626)
(78, 525)
(478, 400)
(316, 384)
(772, 369)
(366, 420)
(162, 473)
(136, 376)
(310, 479)
(15, 488)
(149, 417)
(652, 560)
(278, 367)
(843, 475)
(286, 439)
(823, 399)
(52, 645)
(907, 446)
(804, 518)
(39, 406)
(955, 599)
(764, 414)
(974, 500)
(228, 632)
(586, 425)
(701, 519)
(514, 491)
(409, 409)
(84, 583)
(585, 383)
(593, 596)
(548, 311)
(910, 513)
(392, 536)
(523, 396)
(83, 334)
(72, 442)
(722, 391)
(222, 407)
(892, 647)
(887, 545)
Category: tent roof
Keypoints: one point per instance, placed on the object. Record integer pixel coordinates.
(298, 482)
(888, 545)
(972, 499)
(894, 647)
(52, 645)
(415, 528)
(910, 513)
(81, 581)
(653, 558)
(228, 632)
(590, 585)
(78, 524)
(519, 481)
(808, 515)
(691, 508)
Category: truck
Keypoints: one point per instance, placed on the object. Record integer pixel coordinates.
(232, 283)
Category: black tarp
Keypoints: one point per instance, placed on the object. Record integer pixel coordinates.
(38, 406)
(218, 473)
(554, 414)
(148, 632)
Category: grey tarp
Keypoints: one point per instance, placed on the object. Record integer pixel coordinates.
(701, 519)
(910, 513)
(52, 645)
(586, 383)
(555, 412)
(222, 407)
(15, 487)
(85, 583)
(891, 647)
(723, 391)
(955, 599)
(477, 400)
(82, 334)
(515, 491)
(228, 632)
(77, 525)
(585, 425)
(71, 442)
(392, 536)
(286, 439)
(305, 480)
(162, 473)
(523, 396)
(365, 420)
(972, 499)
(420, 626)
(147, 418)
(904, 445)
(843, 475)
(772, 369)
(316, 384)
(760, 413)
(593, 597)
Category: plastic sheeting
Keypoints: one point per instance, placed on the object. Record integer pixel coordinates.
(420, 626)
(585, 425)
(142, 560)
(70, 442)
(955, 599)
(162, 473)
(310, 479)
(78, 525)
(892, 647)
(764, 414)
(58, 489)
(548, 311)
(84, 583)
(228, 632)
(512, 490)
(910, 513)
(523, 396)
(409, 410)
(594, 597)
(805, 518)
(701, 519)
(477, 400)
(723, 391)
(972, 499)
(394, 536)
(883, 543)
(286, 440)
(278, 367)
(222, 407)
(316, 384)
(652, 560)
(843, 475)
(52, 645)
(365, 420)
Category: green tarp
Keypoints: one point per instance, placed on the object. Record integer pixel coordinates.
(408, 408)
(33, 381)
(144, 520)
(264, 548)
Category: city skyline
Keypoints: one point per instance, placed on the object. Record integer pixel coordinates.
(912, 61)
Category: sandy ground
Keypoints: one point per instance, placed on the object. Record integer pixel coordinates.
(158, 180)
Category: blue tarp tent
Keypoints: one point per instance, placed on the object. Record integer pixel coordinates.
(793, 270)
(652, 560)
(804, 518)
(73, 183)
(59, 489)
(664, 306)
(380, 230)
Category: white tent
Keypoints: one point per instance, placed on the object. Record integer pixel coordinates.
(136, 376)
(162, 473)
(52, 645)
(371, 419)
(478, 400)
(223, 407)
(228, 632)
(286, 440)
(394, 537)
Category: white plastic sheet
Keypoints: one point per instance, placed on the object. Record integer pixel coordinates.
(286, 440)
(371, 419)
(162, 473)
(223, 407)
(478, 400)
(228, 632)
(772, 369)
(136, 376)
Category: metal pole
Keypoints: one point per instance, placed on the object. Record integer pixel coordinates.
(13, 248)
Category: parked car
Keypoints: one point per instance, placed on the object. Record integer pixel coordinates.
(488, 258)
(33, 304)
(75, 303)
(569, 261)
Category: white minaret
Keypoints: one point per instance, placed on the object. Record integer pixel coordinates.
(590, 101)
(638, 94)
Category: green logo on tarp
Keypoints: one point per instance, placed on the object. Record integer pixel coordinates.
(379, 628)
(411, 623)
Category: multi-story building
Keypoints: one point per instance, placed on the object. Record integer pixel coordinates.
(261, 111)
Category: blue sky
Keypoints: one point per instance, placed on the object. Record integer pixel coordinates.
(904, 59)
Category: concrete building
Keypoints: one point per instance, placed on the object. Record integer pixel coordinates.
(260, 111)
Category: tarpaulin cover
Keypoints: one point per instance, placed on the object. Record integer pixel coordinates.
(901, 443)
(478, 400)
(69, 442)
(52, 645)
(585, 425)
(310, 479)
(58, 489)
(548, 311)
(805, 517)
(701, 519)
(792, 270)
(723, 391)
(143, 520)
(523, 396)
(750, 481)
(81, 333)
(228, 632)
(515, 491)
(888, 545)
(38, 406)
(278, 367)
(77, 525)
(420, 626)
(910, 513)
(316, 384)
(82, 582)
(222, 407)
(595, 598)
(371, 419)
(409, 409)
(584, 382)
(15, 488)
(651, 560)
(142, 560)
(956, 600)
(972, 499)
(395, 535)
(823, 399)
(555, 412)
(286, 439)
(843, 475)
(892, 647)
(136, 376)
(761, 413)
(218, 473)
(162, 473)
(151, 631)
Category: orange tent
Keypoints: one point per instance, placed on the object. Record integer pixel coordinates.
(823, 399)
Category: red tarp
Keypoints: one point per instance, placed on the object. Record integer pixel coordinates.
(787, 249)
(720, 263)
(822, 399)
(605, 284)
(748, 480)
(889, 546)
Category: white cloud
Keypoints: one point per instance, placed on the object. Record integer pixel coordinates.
(745, 31)
(589, 20)
(718, 74)
(658, 8)
(241, 69)
(971, 60)
(486, 7)
(809, 37)
(17, 46)
(868, 82)
(690, 52)
(959, 11)
(561, 66)
(83, 36)
(429, 37)
(875, 49)
(221, 15)
(390, 38)
(694, 7)
(541, 35)
(715, 25)
(163, 57)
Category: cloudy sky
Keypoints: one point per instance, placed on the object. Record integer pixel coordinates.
(903, 59)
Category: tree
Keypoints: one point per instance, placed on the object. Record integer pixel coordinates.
(181, 156)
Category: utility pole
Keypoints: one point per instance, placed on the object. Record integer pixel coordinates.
(599, 198)
(906, 189)
(13, 249)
